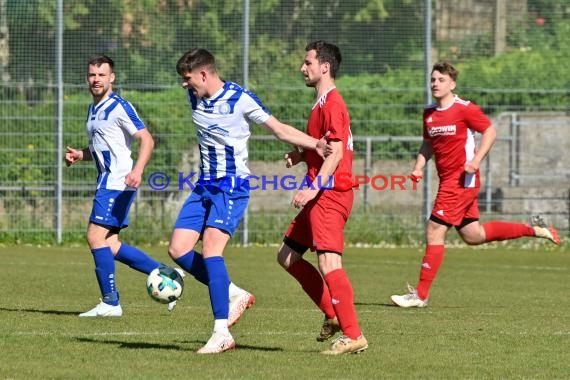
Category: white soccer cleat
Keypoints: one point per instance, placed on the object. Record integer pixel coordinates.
(238, 305)
(218, 343)
(542, 230)
(172, 305)
(104, 310)
(409, 300)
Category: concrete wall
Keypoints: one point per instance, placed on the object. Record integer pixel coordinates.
(528, 165)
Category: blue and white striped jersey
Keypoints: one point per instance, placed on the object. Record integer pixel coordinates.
(222, 128)
(111, 125)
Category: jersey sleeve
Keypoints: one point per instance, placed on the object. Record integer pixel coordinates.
(254, 110)
(129, 119)
(334, 120)
(476, 118)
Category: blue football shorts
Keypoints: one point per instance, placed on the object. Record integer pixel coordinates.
(111, 208)
(214, 204)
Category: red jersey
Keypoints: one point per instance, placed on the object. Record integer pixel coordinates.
(451, 132)
(330, 114)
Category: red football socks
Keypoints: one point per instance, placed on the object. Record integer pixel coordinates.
(312, 283)
(430, 265)
(497, 230)
(343, 302)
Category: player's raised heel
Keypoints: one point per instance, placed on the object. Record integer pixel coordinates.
(329, 329)
(238, 305)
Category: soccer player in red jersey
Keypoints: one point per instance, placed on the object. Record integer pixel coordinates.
(448, 130)
(325, 206)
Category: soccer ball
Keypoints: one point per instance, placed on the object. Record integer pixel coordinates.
(164, 284)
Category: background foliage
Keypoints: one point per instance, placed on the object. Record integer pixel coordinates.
(381, 77)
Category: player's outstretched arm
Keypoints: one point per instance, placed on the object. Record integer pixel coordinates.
(287, 133)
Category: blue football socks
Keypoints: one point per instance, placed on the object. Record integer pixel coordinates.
(218, 286)
(136, 259)
(105, 272)
(193, 263)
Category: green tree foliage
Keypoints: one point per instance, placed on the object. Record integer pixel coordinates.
(148, 36)
(384, 91)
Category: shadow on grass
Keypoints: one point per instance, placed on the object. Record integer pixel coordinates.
(255, 348)
(200, 343)
(143, 345)
(56, 312)
(374, 304)
(134, 345)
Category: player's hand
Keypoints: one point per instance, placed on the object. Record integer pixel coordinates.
(303, 197)
(322, 148)
(293, 158)
(471, 167)
(72, 156)
(416, 175)
(133, 179)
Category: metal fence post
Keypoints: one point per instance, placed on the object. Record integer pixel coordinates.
(245, 221)
(59, 117)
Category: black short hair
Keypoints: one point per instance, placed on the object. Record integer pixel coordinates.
(195, 58)
(446, 68)
(100, 59)
(326, 52)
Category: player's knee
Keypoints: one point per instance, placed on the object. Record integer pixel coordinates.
(90, 241)
(473, 240)
(94, 241)
(469, 241)
(175, 251)
(286, 256)
(283, 258)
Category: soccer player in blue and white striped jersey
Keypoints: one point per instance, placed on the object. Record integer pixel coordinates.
(222, 113)
(112, 126)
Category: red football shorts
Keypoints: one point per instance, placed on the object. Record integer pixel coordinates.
(320, 224)
(452, 205)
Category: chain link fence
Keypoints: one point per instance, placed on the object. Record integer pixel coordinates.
(511, 55)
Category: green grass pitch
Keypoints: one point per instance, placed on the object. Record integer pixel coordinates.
(499, 312)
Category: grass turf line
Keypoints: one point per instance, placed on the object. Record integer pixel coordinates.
(493, 313)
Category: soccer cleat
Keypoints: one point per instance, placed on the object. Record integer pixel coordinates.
(238, 305)
(103, 310)
(172, 305)
(345, 345)
(329, 329)
(409, 300)
(542, 230)
(218, 342)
